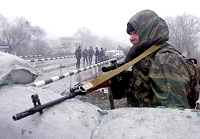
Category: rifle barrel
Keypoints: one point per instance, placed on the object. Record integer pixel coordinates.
(39, 108)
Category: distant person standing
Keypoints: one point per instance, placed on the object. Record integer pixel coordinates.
(85, 56)
(96, 55)
(91, 53)
(78, 53)
(101, 55)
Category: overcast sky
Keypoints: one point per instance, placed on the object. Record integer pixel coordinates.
(62, 18)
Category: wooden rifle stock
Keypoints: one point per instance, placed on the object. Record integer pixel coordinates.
(107, 83)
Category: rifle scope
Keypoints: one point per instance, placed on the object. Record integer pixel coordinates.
(113, 66)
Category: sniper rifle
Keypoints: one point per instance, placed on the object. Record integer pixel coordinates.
(99, 82)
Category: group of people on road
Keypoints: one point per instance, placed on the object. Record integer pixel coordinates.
(99, 55)
(88, 54)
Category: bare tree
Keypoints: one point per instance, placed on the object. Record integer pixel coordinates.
(184, 33)
(40, 47)
(4, 29)
(86, 36)
(88, 39)
(107, 43)
(18, 33)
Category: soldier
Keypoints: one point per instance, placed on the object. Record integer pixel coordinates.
(101, 55)
(96, 55)
(85, 56)
(91, 53)
(162, 78)
(78, 56)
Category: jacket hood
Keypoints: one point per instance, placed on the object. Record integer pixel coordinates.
(151, 28)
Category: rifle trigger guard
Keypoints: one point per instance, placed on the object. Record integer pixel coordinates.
(78, 90)
(81, 90)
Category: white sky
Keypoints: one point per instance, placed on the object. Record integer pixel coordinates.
(62, 18)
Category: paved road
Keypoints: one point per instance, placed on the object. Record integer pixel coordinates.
(65, 84)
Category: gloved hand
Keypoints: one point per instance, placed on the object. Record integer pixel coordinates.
(120, 84)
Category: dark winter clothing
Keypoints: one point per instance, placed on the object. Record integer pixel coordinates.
(96, 55)
(101, 55)
(85, 56)
(91, 53)
(78, 56)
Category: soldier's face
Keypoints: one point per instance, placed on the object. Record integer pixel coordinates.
(134, 37)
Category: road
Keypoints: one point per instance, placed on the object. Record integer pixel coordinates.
(52, 68)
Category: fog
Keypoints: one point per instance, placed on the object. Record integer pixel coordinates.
(61, 18)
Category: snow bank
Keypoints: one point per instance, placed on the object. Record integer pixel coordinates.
(71, 119)
(15, 70)
(74, 119)
(150, 123)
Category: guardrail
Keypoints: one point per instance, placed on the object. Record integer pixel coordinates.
(30, 56)
(56, 78)
(46, 59)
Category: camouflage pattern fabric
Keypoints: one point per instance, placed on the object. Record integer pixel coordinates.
(161, 79)
(170, 74)
(150, 27)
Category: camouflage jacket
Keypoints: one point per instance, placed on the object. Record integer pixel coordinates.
(163, 78)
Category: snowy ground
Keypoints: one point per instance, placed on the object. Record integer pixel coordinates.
(81, 120)
(74, 119)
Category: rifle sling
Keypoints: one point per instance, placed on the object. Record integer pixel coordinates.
(99, 80)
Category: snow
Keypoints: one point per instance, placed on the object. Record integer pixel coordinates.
(17, 69)
(81, 120)
(60, 121)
